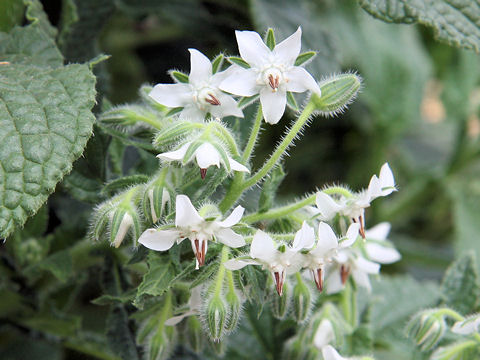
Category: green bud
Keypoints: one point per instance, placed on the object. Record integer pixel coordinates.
(124, 219)
(234, 310)
(101, 219)
(170, 135)
(216, 318)
(218, 347)
(156, 202)
(302, 301)
(337, 92)
(427, 328)
(194, 334)
(129, 115)
(280, 304)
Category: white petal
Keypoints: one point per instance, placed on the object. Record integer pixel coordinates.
(387, 181)
(466, 327)
(158, 240)
(235, 264)
(207, 156)
(333, 282)
(230, 238)
(367, 266)
(228, 107)
(175, 155)
(236, 166)
(378, 232)
(176, 319)
(196, 300)
(233, 218)
(200, 68)
(172, 95)
(327, 239)
(273, 104)
(186, 215)
(242, 82)
(304, 238)
(351, 236)
(192, 113)
(329, 353)
(262, 247)
(382, 254)
(327, 206)
(324, 334)
(300, 80)
(361, 279)
(289, 49)
(252, 48)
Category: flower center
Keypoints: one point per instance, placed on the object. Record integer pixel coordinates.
(207, 96)
(273, 78)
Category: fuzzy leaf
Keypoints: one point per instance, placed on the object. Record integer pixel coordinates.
(454, 22)
(119, 336)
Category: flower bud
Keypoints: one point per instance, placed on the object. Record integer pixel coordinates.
(194, 334)
(216, 314)
(156, 201)
(280, 303)
(124, 219)
(234, 309)
(302, 301)
(427, 328)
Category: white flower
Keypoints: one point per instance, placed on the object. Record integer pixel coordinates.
(329, 353)
(280, 260)
(354, 206)
(467, 326)
(194, 307)
(324, 334)
(325, 249)
(189, 224)
(353, 261)
(271, 74)
(201, 95)
(206, 155)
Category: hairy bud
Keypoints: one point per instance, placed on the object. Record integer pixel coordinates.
(302, 301)
(281, 303)
(194, 334)
(216, 314)
(427, 328)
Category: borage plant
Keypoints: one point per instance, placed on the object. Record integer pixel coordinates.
(311, 255)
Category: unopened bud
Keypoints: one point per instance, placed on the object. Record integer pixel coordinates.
(302, 301)
(218, 347)
(280, 303)
(156, 202)
(427, 328)
(194, 334)
(234, 309)
(216, 318)
(122, 222)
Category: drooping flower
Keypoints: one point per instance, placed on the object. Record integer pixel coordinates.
(206, 155)
(189, 224)
(360, 264)
(468, 326)
(194, 307)
(201, 95)
(280, 260)
(324, 334)
(354, 206)
(271, 74)
(325, 249)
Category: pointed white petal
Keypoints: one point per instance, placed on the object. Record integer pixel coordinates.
(192, 113)
(200, 68)
(242, 82)
(378, 232)
(186, 215)
(387, 182)
(235, 264)
(324, 334)
(361, 278)
(262, 247)
(158, 240)
(273, 104)
(329, 353)
(333, 282)
(467, 326)
(172, 95)
(300, 80)
(233, 218)
(228, 107)
(382, 254)
(304, 238)
(374, 190)
(327, 239)
(289, 49)
(230, 238)
(367, 266)
(207, 156)
(236, 166)
(174, 155)
(351, 236)
(327, 206)
(252, 48)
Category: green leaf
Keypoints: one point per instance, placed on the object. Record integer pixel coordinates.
(217, 63)
(53, 323)
(114, 299)
(460, 287)
(179, 76)
(119, 336)
(454, 22)
(337, 92)
(59, 264)
(157, 280)
(305, 57)
(238, 61)
(270, 39)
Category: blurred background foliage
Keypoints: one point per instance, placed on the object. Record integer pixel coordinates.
(418, 110)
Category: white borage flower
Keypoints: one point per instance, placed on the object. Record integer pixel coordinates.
(468, 326)
(377, 247)
(271, 74)
(280, 260)
(329, 353)
(189, 224)
(201, 95)
(206, 154)
(194, 307)
(324, 335)
(354, 206)
(327, 245)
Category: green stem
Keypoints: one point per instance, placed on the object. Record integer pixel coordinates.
(337, 190)
(221, 272)
(252, 140)
(280, 211)
(349, 305)
(450, 313)
(152, 122)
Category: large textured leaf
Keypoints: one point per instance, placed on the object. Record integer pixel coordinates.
(456, 22)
